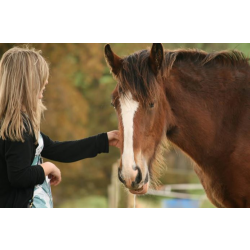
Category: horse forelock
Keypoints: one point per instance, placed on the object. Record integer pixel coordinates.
(137, 78)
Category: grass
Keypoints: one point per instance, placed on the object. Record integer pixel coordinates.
(86, 202)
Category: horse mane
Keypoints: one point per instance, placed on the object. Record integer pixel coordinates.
(233, 58)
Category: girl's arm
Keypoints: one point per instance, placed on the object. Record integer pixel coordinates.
(70, 151)
(19, 156)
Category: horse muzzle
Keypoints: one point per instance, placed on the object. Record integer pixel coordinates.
(135, 183)
(142, 190)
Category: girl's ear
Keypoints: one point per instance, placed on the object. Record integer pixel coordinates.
(114, 61)
(156, 57)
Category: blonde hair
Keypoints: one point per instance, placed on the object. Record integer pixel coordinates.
(23, 73)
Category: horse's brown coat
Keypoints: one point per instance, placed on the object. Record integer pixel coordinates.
(204, 102)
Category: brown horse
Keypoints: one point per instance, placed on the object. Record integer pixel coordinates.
(201, 102)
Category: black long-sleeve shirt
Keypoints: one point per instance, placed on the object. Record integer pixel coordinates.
(18, 177)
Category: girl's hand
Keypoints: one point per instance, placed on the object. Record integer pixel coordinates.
(55, 177)
(52, 172)
(114, 138)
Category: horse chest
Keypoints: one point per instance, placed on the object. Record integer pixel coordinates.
(214, 189)
(224, 192)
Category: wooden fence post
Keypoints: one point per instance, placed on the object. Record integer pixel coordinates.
(114, 187)
(118, 196)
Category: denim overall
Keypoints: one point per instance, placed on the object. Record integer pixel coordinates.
(42, 193)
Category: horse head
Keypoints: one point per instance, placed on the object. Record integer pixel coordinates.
(140, 103)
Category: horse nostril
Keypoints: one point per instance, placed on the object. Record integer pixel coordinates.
(120, 176)
(138, 177)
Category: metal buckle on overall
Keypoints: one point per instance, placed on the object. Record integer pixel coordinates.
(30, 203)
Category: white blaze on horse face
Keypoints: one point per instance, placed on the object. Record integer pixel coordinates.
(128, 109)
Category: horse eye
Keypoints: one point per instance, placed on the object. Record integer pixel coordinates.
(112, 104)
(151, 105)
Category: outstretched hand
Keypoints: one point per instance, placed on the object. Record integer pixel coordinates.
(114, 138)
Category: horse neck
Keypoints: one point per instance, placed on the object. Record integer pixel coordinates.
(201, 107)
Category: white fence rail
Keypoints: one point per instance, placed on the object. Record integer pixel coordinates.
(167, 191)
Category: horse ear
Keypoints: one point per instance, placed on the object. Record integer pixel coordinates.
(114, 61)
(156, 57)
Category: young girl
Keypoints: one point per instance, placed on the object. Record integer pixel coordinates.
(24, 180)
